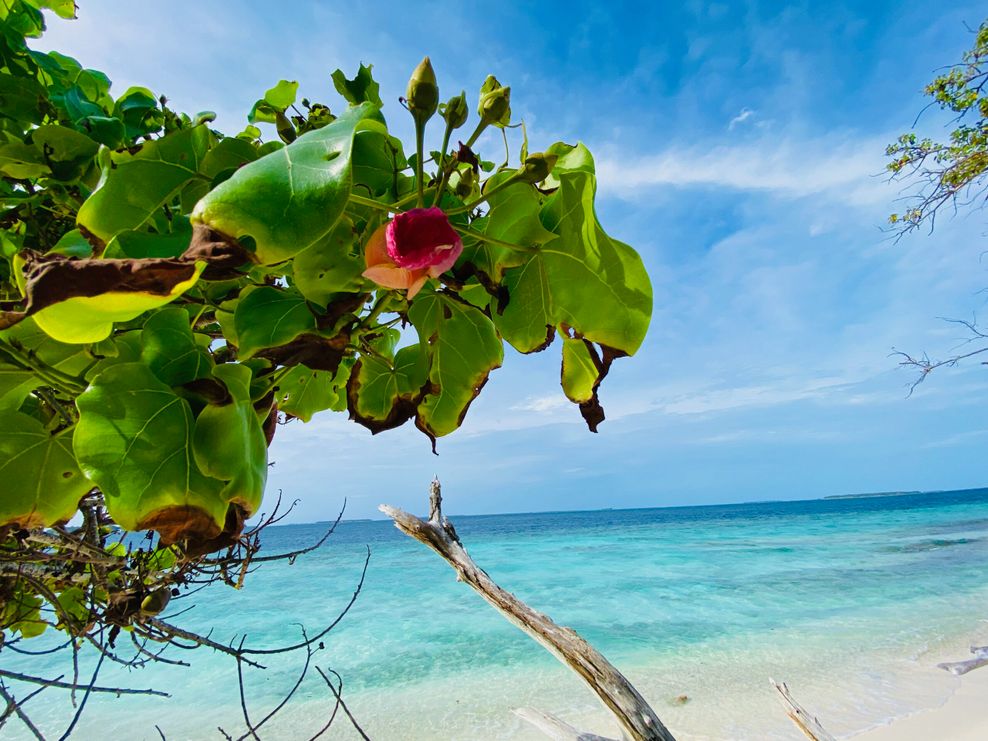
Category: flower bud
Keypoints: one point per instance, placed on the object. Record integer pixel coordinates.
(537, 167)
(466, 182)
(495, 102)
(455, 111)
(422, 95)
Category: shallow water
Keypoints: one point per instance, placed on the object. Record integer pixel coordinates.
(851, 601)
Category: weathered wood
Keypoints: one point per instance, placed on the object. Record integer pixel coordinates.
(554, 728)
(958, 668)
(634, 715)
(808, 724)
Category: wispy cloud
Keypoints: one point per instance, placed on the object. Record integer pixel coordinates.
(843, 168)
(743, 116)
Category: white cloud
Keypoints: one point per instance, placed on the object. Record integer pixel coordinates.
(743, 116)
(846, 169)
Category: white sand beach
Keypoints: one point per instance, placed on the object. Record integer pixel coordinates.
(963, 717)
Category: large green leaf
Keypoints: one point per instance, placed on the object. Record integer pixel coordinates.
(269, 317)
(134, 186)
(360, 89)
(583, 279)
(383, 393)
(134, 441)
(302, 391)
(229, 154)
(171, 350)
(378, 158)
(463, 348)
(83, 319)
(579, 373)
(229, 443)
(513, 218)
(290, 198)
(333, 265)
(69, 153)
(42, 483)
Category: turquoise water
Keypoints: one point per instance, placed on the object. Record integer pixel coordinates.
(851, 601)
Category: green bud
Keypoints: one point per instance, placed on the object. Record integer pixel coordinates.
(422, 95)
(466, 182)
(455, 111)
(495, 102)
(537, 167)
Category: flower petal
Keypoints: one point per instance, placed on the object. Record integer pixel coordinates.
(390, 276)
(376, 249)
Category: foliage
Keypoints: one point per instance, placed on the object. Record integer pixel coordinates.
(952, 172)
(169, 294)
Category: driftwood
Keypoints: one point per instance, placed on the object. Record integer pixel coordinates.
(634, 715)
(806, 722)
(963, 667)
(555, 728)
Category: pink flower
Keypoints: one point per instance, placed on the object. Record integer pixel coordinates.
(411, 248)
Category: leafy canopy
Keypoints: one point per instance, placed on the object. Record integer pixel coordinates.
(170, 293)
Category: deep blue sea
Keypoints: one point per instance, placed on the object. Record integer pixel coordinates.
(851, 601)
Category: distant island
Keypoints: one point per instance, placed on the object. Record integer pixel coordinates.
(899, 493)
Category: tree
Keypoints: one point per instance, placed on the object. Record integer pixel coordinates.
(169, 295)
(950, 174)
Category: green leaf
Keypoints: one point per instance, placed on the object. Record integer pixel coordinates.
(302, 391)
(42, 483)
(361, 89)
(83, 319)
(73, 244)
(229, 154)
(61, 8)
(22, 161)
(513, 218)
(383, 395)
(584, 279)
(377, 159)
(270, 317)
(579, 373)
(282, 95)
(290, 198)
(134, 186)
(331, 266)
(138, 109)
(137, 244)
(229, 443)
(134, 441)
(463, 348)
(20, 99)
(171, 350)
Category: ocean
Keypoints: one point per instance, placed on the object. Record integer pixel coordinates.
(850, 601)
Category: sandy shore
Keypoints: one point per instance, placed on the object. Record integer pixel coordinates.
(963, 717)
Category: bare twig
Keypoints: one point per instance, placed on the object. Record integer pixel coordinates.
(807, 723)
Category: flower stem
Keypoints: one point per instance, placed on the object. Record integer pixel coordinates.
(371, 203)
(477, 132)
(484, 196)
(53, 377)
(468, 232)
(420, 152)
(442, 165)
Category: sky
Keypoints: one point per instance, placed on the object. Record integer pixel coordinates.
(740, 149)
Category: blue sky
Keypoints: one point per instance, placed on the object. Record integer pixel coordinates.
(740, 150)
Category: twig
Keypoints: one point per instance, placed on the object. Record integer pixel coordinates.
(807, 723)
